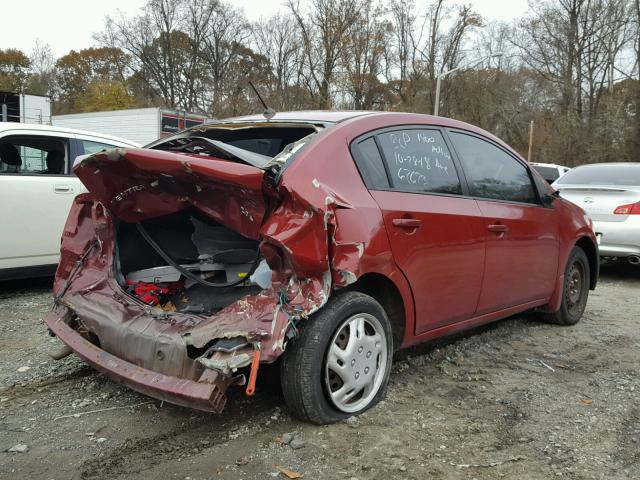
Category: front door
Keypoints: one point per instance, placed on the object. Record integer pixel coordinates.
(435, 233)
(521, 234)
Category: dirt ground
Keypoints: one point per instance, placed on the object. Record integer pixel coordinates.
(519, 399)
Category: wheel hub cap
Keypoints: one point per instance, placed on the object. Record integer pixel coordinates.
(356, 362)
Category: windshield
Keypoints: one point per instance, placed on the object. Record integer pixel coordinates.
(622, 175)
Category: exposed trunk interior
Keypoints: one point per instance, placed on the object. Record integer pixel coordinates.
(196, 243)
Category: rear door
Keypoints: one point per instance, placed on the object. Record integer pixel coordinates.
(521, 234)
(35, 196)
(435, 232)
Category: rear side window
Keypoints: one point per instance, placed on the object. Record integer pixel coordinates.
(369, 162)
(418, 160)
(491, 172)
(91, 147)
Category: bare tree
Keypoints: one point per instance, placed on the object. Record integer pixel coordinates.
(225, 33)
(277, 39)
(635, 134)
(324, 33)
(444, 51)
(550, 43)
(561, 64)
(42, 78)
(364, 57)
(605, 26)
(157, 45)
(425, 44)
(400, 57)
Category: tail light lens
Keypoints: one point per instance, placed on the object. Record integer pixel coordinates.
(628, 209)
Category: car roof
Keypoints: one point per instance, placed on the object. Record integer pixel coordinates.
(330, 119)
(322, 116)
(35, 128)
(339, 116)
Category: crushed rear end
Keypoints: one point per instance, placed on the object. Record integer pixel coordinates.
(260, 249)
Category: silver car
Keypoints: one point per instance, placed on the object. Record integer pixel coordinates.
(610, 194)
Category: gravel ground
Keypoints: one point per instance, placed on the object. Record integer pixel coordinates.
(519, 399)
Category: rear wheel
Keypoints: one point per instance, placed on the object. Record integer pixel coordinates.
(339, 365)
(575, 290)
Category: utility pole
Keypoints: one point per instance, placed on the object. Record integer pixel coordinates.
(530, 141)
(436, 106)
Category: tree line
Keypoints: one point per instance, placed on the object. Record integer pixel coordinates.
(570, 66)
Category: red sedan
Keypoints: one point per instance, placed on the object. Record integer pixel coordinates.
(330, 239)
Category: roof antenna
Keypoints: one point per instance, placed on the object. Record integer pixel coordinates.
(269, 112)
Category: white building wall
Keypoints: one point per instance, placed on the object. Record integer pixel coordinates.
(141, 125)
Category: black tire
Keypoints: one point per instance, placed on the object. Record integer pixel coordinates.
(575, 291)
(303, 372)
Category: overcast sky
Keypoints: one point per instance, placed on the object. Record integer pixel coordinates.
(70, 24)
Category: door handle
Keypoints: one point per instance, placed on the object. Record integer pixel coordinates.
(63, 188)
(407, 222)
(498, 228)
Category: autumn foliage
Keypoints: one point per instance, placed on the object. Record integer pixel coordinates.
(570, 66)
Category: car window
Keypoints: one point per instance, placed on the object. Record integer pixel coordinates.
(491, 172)
(33, 155)
(612, 174)
(418, 160)
(369, 163)
(90, 147)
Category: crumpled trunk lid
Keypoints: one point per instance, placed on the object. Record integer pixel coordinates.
(139, 184)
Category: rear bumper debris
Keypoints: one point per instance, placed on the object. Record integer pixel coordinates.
(208, 393)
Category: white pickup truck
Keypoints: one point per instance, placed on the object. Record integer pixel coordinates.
(37, 187)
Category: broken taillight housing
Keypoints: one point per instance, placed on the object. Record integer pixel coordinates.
(628, 209)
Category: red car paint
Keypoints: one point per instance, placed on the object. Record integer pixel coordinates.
(455, 261)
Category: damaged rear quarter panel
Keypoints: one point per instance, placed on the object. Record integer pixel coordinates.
(328, 232)
(328, 224)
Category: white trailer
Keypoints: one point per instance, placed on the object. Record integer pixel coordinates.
(24, 108)
(140, 125)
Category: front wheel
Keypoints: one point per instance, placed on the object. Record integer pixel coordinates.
(575, 290)
(339, 364)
